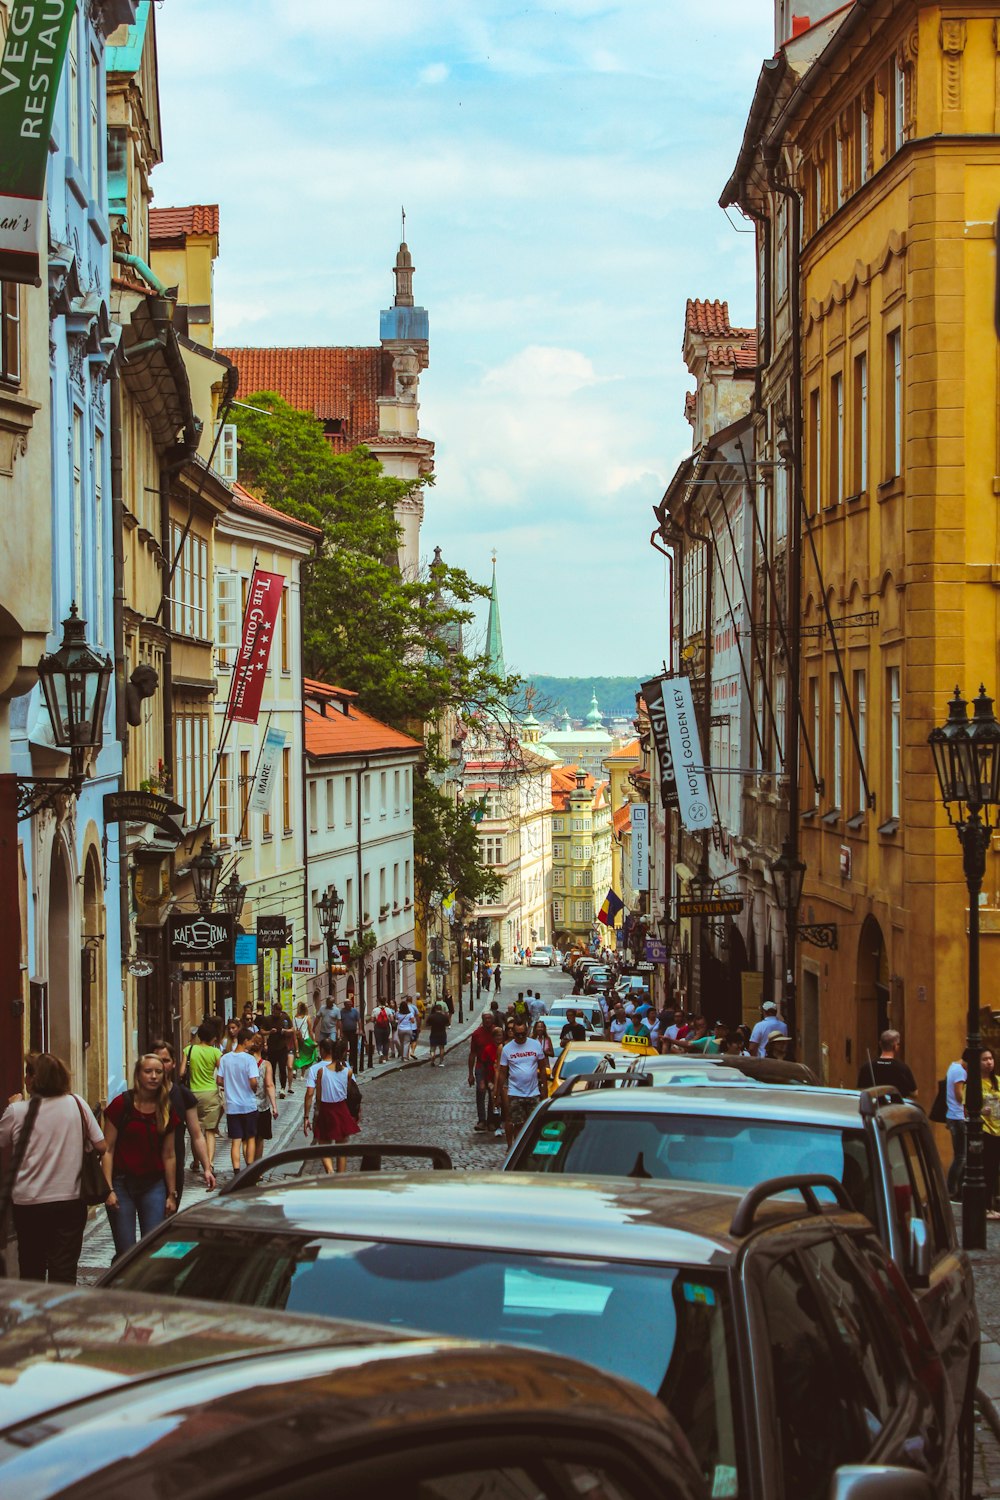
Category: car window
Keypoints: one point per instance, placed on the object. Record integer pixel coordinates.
(580, 1062)
(859, 1328)
(819, 1426)
(912, 1196)
(710, 1148)
(664, 1327)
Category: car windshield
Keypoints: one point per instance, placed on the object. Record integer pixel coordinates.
(580, 1062)
(714, 1149)
(665, 1327)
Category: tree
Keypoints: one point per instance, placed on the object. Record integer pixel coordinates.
(394, 641)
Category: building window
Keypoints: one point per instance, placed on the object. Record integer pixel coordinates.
(841, 179)
(758, 709)
(348, 800)
(780, 510)
(861, 424)
(817, 749)
(349, 905)
(781, 250)
(73, 87)
(99, 537)
(861, 725)
(227, 619)
(817, 196)
(406, 790)
(837, 439)
(395, 886)
(557, 825)
(407, 888)
(191, 742)
(864, 144)
(894, 404)
(492, 846)
(189, 585)
(557, 911)
(95, 133)
(837, 745)
(816, 449)
(779, 718)
(78, 541)
(10, 333)
(382, 780)
(895, 744)
(381, 889)
(584, 911)
(286, 790)
(366, 798)
(286, 659)
(395, 794)
(330, 804)
(313, 807)
(898, 105)
(366, 903)
(245, 779)
(224, 801)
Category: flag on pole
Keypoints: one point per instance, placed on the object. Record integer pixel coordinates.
(612, 906)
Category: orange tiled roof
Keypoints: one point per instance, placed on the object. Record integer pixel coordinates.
(622, 818)
(243, 500)
(314, 689)
(175, 223)
(741, 355)
(690, 406)
(631, 751)
(351, 733)
(711, 317)
(337, 385)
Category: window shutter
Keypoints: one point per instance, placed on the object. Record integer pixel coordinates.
(227, 618)
(226, 454)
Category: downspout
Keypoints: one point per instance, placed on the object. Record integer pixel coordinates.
(118, 625)
(361, 920)
(305, 769)
(148, 275)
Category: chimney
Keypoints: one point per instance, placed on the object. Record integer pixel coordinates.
(800, 24)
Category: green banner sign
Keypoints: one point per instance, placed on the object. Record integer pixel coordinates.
(33, 54)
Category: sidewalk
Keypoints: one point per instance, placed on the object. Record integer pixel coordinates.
(98, 1246)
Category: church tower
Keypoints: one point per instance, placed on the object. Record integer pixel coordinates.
(494, 635)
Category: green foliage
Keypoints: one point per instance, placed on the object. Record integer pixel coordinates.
(615, 695)
(393, 640)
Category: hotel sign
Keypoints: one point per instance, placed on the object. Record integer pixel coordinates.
(685, 746)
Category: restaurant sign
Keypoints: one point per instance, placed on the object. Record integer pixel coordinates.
(197, 939)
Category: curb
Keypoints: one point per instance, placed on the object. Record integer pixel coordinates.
(375, 1071)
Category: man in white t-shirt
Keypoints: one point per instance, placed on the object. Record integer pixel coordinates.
(769, 1023)
(618, 1023)
(239, 1076)
(524, 1078)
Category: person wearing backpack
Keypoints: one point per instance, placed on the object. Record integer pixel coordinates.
(384, 1017)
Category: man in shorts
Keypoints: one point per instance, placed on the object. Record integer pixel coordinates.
(240, 1078)
(200, 1062)
(524, 1078)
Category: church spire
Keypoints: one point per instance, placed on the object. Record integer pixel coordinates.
(404, 275)
(494, 636)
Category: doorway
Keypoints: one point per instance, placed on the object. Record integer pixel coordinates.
(93, 983)
(871, 990)
(58, 1027)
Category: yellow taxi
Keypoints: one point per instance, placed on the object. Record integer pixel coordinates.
(578, 1058)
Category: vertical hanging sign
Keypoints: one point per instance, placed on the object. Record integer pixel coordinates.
(685, 747)
(274, 743)
(263, 602)
(34, 51)
(640, 846)
(652, 692)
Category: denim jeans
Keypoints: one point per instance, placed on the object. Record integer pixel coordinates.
(137, 1197)
(956, 1172)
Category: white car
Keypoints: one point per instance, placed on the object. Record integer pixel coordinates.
(541, 957)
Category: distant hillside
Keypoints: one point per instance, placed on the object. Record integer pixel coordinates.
(615, 695)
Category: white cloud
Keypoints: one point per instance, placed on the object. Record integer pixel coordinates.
(434, 73)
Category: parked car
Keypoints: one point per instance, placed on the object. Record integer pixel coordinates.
(631, 986)
(877, 1144)
(580, 1059)
(597, 980)
(781, 1337)
(542, 957)
(671, 1066)
(114, 1394)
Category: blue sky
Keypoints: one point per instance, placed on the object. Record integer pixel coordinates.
(560, 165)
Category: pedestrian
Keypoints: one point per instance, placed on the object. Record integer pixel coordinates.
(184, 1103)
(335, 1121)
(275, 1033)
(491, 1059)
(954, 1093)
(888, 1069)
(438, 1036)
(326, 1022)
(480, 1074)
(497, 976)
(536, 1005)
(249, 1017)
(406, 1028)
(636, 1031)
(198, 1069)
(618, 1023)
(383, 1031)
(306, 1049)
(48, 1133)
(350, 1020)
(708, 1043)
(769, 1022)
(540, 1034)
(230, 1039)
(991, 1129)
(573, 1031)
(267, 1103)
(524, 1076)
(240, 1078)
(140, 1162)
(487, 976)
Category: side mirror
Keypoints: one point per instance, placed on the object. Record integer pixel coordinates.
(877, 1482)
(919, 1254)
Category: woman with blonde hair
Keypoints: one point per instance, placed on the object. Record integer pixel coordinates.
(48, 1132)
(139, 1163)
(267, 1104)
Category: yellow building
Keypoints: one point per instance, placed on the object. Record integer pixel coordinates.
(621, 766)
(887, 143)
(581, 855)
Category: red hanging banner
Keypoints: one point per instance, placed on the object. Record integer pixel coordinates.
(263, 603)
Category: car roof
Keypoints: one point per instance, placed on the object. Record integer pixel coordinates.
(604, 1218)
(832, 1108)
(322, 1386)
(618, 1049)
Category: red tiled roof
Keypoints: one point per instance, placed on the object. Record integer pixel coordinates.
(622, 818)
(336, 385)
(351, 733)
(742, 356)
(631, 751)
(175, 223)
(690, 406)
(243, 500)
(712, 318)
(326, 690)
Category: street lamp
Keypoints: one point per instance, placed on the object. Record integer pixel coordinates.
(74, 681)
(234, 893)
(789, 873)
(331, 908)
(967, 762)
(206, 868)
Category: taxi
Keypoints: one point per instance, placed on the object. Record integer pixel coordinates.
(577, 1058)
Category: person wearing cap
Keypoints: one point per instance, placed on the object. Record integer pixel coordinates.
(777, 1045)
(770, 1023)
(708, 1043)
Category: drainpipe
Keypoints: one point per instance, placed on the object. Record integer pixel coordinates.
(148, 275)
(118, 624)
(307, 915)
(361, 921)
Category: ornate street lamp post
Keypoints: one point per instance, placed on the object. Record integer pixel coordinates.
(206, 868)
(234, 893)
(967, 762)
(74, 681)
(789, 873)
(331, 908)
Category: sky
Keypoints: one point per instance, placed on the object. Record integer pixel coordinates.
(560, 165)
